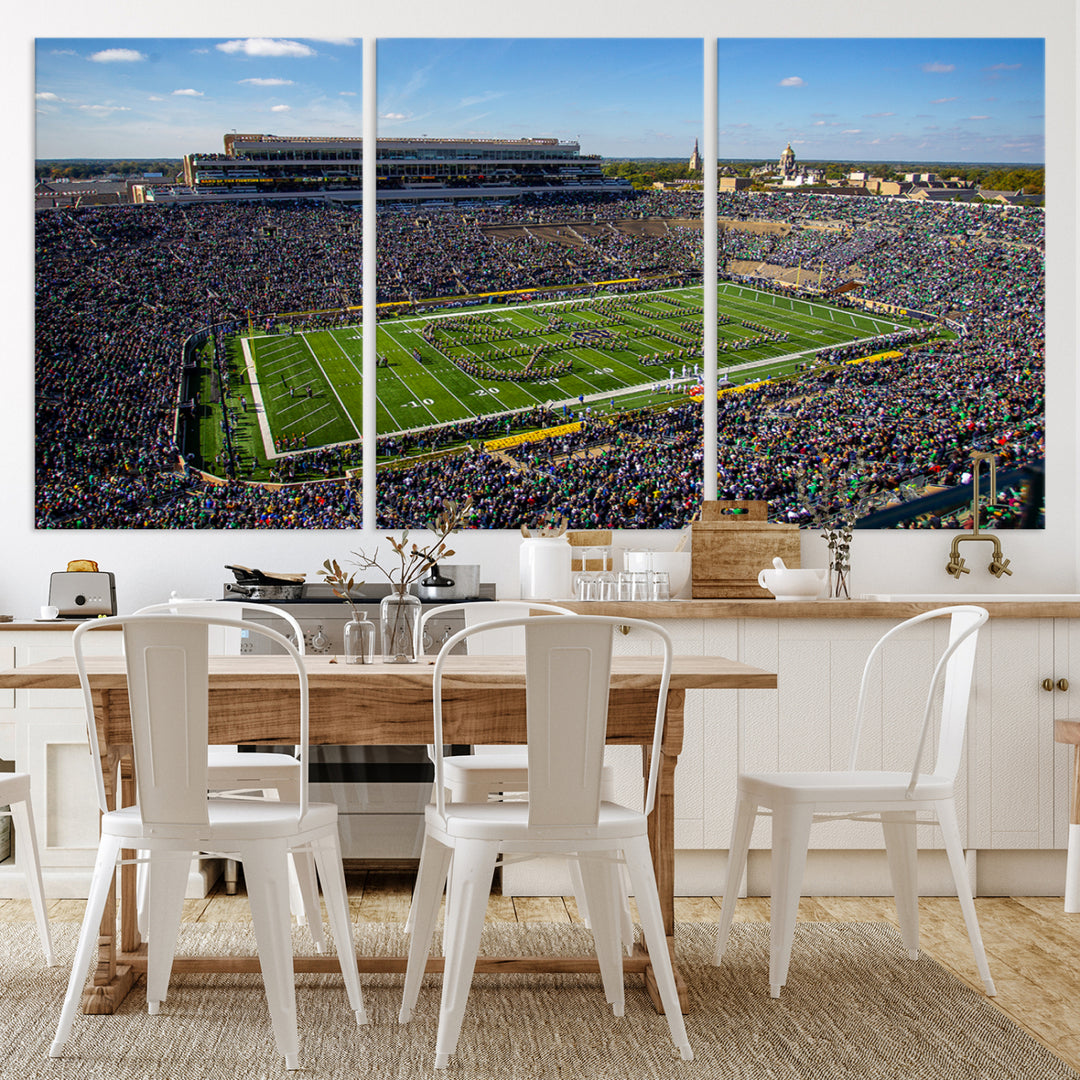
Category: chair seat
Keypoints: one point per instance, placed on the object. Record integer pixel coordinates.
(228, 769)
(843, 787)
(511, 766)
(509, 821)
(229, 819)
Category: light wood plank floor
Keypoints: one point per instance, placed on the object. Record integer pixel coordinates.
(1033, 947)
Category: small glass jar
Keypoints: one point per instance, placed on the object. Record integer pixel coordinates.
(399, 621)
(360, 640)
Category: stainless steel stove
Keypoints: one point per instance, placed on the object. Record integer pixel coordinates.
(381, 791)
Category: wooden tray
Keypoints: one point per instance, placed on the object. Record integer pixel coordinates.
(732, 544)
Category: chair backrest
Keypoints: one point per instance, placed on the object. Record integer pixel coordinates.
(511, 642)
(956, 667)
(233, 611)
(567, 678)
(167, 659)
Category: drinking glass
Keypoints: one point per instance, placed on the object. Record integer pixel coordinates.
(659, 588)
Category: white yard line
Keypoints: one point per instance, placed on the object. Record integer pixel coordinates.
(326, 377)
(469, 413)
(256, 397)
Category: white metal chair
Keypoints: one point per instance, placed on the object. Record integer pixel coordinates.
(276, 775)
(174, 818)
(503, 771)
(896, 799)
(568, 672)
(15, 794)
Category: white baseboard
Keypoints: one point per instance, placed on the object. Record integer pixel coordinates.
(828, 873)
(73, 883)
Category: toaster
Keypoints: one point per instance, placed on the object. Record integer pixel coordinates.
(82, 594)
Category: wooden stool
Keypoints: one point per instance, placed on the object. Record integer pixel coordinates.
(1068, 731)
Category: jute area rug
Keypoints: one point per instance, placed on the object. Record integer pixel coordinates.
(855, 1006)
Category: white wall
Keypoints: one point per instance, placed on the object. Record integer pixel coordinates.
(148, 564)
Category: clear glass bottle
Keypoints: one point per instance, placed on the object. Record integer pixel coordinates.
(360, 640)
(399, 620)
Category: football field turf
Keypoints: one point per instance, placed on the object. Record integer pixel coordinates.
(612, 351)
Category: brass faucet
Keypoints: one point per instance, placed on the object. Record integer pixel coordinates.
(998, 564)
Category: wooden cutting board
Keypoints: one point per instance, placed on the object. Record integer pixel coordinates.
(732, 544)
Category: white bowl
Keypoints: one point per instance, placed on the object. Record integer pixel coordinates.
(789, 584)
(675, 563)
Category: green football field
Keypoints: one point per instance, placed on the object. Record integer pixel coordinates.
(305, 388)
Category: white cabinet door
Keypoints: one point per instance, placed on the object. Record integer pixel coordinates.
(1014, 739)
(1066, 707)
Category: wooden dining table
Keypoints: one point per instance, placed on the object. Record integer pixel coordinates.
(254, 700)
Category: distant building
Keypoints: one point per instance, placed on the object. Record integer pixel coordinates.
(406, 168)
(734, 183)
(787, 163)
(695, 159)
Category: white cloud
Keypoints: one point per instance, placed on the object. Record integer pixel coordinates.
(200, 52)
(335, 40)
(819, 123)
(852, 131)
(346, 93)
(1004, 67)
(942, 100)
(187, 93)
(266, 47)
(63, 52)
(875, 115)
(117, 56)
(104, 110)
(154, 97)
(978, 117)
(279, 108)
(938, 68)
(267, 82)
(46, 95)
(792, 80)
(394, 116)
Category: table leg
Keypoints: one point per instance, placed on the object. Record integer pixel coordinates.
(661, 825)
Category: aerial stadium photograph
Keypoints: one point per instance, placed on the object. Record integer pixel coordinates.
(540, 280)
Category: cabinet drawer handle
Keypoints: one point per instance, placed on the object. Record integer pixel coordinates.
(1063, 684)
(1048, 684)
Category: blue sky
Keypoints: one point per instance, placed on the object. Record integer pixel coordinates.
(622, 97)
(978, 99)
(888, 99)
(165, 97)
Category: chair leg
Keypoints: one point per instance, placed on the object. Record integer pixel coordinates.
(427, 895)
(903, 854)
(104, 869)
(600, 885)
(142, 893)
(741, 831)
(474, 864)
(946, 815)
(268, 893)
(790, 839)
(327, 856)
(303, 884)
(22, 817)
(643, 879)
(167, 873)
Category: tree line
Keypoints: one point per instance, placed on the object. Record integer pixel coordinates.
(96, 168)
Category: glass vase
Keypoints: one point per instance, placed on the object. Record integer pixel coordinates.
(399, 619)
(360, 641)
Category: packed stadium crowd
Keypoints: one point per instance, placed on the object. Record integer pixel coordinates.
(120, 289)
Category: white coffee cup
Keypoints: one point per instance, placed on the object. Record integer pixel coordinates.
(49, 611)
